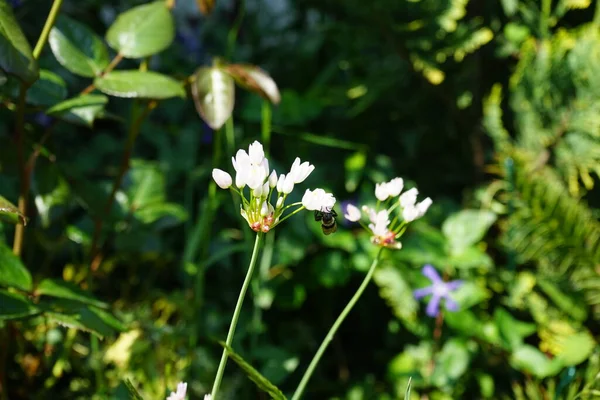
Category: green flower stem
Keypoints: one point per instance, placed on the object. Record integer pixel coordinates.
(266, 124)
(236, 315)
(287, 216)
(335, 327)
(39, 46)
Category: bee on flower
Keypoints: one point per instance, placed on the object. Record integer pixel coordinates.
(388, 223)
(264, 207)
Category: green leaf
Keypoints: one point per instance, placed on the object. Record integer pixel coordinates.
(576, 348)
(471, 257)
(81, 110)
(67, 290)
(512, 331)
(48, 90)
(87, 319)
(3, 78)
(15, 53)
(566, 303)
(407, 393)
(142, 31)
(451, 363)
(466, 228)
(14, 306)
(256, 80)
(78, 48)
(12, 272)
(138, 84)
(214, 95)
(262, 382)
(135, 395)
(10, 213)
(528, 358)
(168, 214)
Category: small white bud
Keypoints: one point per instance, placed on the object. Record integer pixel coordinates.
(279, 202)
(409, 198)
(381, 191)
(280, 183)
(273, 179)
(395, 187)
(222, 178)
(352, 213)
(288, 185)
(264, 209)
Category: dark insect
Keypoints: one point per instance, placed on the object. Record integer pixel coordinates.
(327, 218)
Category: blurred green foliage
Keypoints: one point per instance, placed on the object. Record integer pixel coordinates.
(132, 260)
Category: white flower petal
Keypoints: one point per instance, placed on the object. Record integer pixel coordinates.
(256, 152)
(280, 183)
(409, 198)
(180, 393)
(318, 199)
(381, 191)
(273, 179)
(222, 178)
(352, 213)
(288, 184)
(395, 187)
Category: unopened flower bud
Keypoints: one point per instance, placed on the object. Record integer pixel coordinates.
(222, 178)
(273, 179)
(279, 202)
(264, 209)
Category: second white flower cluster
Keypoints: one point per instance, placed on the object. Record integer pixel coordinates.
(252, 170)
(386, 231)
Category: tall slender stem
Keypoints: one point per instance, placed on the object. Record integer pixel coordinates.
(47, 27)
(335, 327)
(22, 204)
(266, 124)
(545, 18)
(236, 315)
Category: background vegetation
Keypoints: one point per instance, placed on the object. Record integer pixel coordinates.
(492, 108)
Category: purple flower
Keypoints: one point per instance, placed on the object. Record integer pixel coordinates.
(438, 289)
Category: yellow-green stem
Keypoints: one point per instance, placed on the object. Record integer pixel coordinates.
(236, 315)
(335, 327)
(39, 46)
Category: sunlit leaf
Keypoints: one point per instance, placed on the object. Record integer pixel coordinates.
(139, 84)
(142, 31)
(256, 80)
(529, 359)
(10, 213)
(512, 331)
(262, 382)
(16, 56)
(135, 395)
(214, 95)
(88, 319)
(466, 228)
(12, 271)
(14, 305)
(451, 362)
(81, 110)
(77, 47)
(67, 290)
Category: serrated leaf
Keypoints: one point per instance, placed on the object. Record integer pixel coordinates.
(12, 271)
(214, 95)
(16, 56)
(10, 213)
(67, 290)
(14, 306)
(151, 85)
(142, 31)
(256, 80)
(81, 110)
(77, 48)
(466, 228)
(48, 90)
(262, 382)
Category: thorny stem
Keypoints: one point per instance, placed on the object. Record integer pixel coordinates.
(236, 315)
(134, 130)
(335, 327)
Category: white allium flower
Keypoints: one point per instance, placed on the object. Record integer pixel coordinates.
(352, 213)
(208, 396)
(395, 186)
(318, 199)
(416, 211)
(273, 179)
(180, 393)
(300, 172)
(222, 178)
(256, 152)
(381, 191)
(288, 184)
(280, 183)
(409, 198)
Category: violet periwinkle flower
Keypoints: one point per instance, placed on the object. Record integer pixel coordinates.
(438, 290)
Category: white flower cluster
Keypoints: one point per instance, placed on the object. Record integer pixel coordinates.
(252, 170)
(181, 393)
(385, 231)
